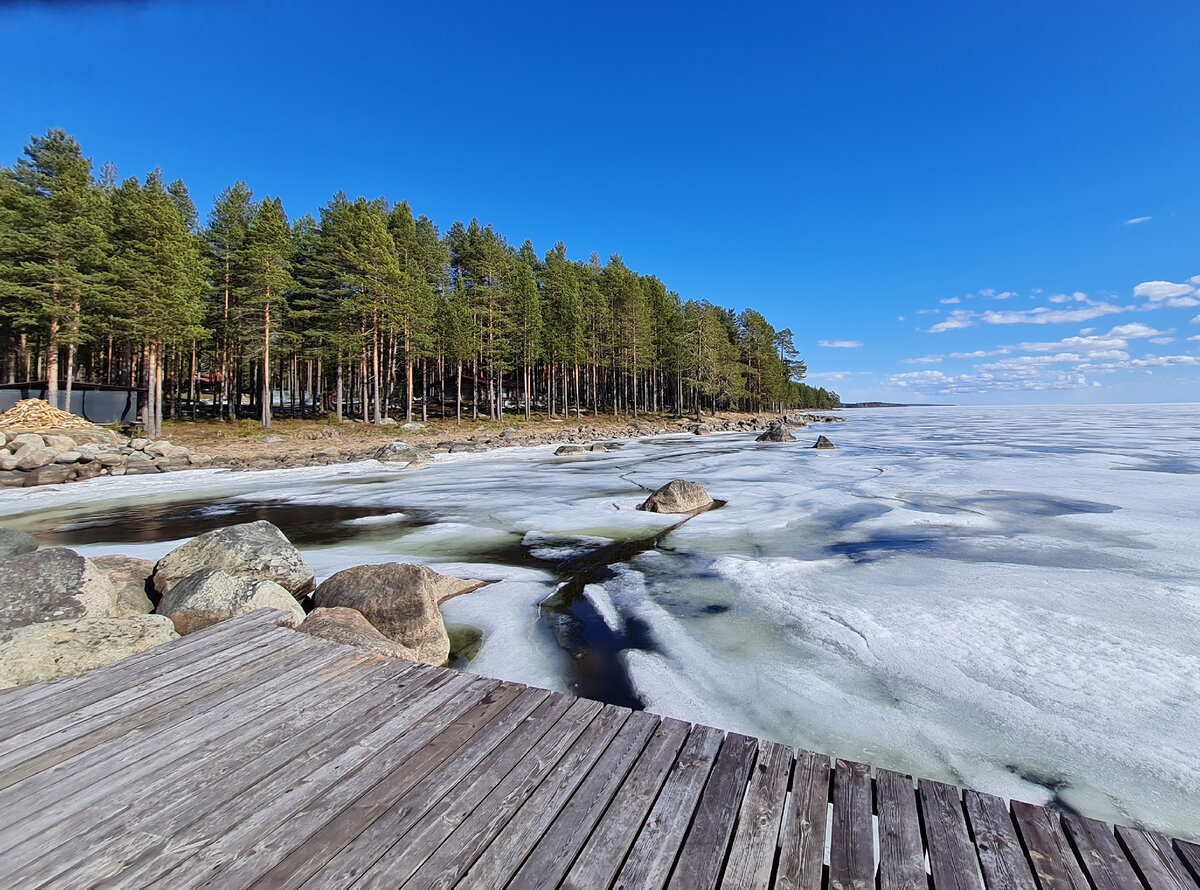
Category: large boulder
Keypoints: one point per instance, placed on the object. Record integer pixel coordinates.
(399, 600)
(14, 543)
(210, 596)
(823, 443)
(571, 449)
(349, 627)
(30, 458)
(776, 432)
(131, 577)
(255, 550)
(54, 584)
(678, 496)
(402, 452)
(54, 649)
(53, 474)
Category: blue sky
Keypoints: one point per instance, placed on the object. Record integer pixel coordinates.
(946, 201)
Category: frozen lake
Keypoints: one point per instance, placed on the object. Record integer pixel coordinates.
(1004, 598)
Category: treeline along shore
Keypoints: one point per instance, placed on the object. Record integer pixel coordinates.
(364, 311)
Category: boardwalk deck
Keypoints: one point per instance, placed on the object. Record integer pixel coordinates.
(250, 755)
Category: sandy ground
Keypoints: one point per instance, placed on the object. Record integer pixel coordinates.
(246, 440)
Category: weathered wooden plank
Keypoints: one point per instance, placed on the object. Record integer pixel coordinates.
(116, 773)
(495, 863)
(403, 814)
(152, 839)
(653, 854)
(1050, 852)
(1000, 855)
(356, 805)
(1100, 854)
(752, 856)
(802, 840)
(183, 792)
(901, 853)
(528, 750)
(556, 850)
(60, 746)
(1156, 863)
(852, 836)
(29, 706)
(1190, 855)
(451, 860)
(952, 859)
(104, 757)
(605, 851)
(703, 854)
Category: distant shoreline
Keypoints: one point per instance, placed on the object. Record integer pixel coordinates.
(897, 405)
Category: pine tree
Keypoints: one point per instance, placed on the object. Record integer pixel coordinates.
(54, 246)
(225, 236)
(265, 271)
(159, 275)
(526, 320)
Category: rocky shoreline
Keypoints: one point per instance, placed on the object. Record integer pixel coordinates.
(64, 614)
(56, 456)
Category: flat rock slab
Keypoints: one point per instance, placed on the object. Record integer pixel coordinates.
(54, 649)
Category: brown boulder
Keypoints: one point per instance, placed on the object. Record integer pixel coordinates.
(348, 626)
(678, 496)
(399, 600)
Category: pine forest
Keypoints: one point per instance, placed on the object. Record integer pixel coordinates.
(365, 312)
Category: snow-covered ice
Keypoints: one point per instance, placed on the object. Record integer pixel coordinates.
(1005, 598)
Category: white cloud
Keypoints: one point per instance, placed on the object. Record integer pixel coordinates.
(959, 318)
(1077, 297)
(925, 360)
(980, 353)
(1155, 291)
(1044, 315)
(1162, 341)
(950, 301)
(1193, 339)
(840, 344)
(899, 318)
(1138, 220)
(1195, 320)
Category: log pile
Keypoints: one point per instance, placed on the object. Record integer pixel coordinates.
(34, 415)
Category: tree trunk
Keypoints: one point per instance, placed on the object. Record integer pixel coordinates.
(52, 363)
(265, 388)
(339, 388)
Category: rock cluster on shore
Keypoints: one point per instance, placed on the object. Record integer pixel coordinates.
(63, 614)
(70, 455)
(76, 450)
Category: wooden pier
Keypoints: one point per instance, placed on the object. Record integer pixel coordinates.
(252, 755)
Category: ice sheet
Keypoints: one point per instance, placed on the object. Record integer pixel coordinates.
(1006, 598)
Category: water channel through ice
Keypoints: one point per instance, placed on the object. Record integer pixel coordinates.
(1003, 598)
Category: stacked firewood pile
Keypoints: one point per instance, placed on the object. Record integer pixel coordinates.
(36, 414)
